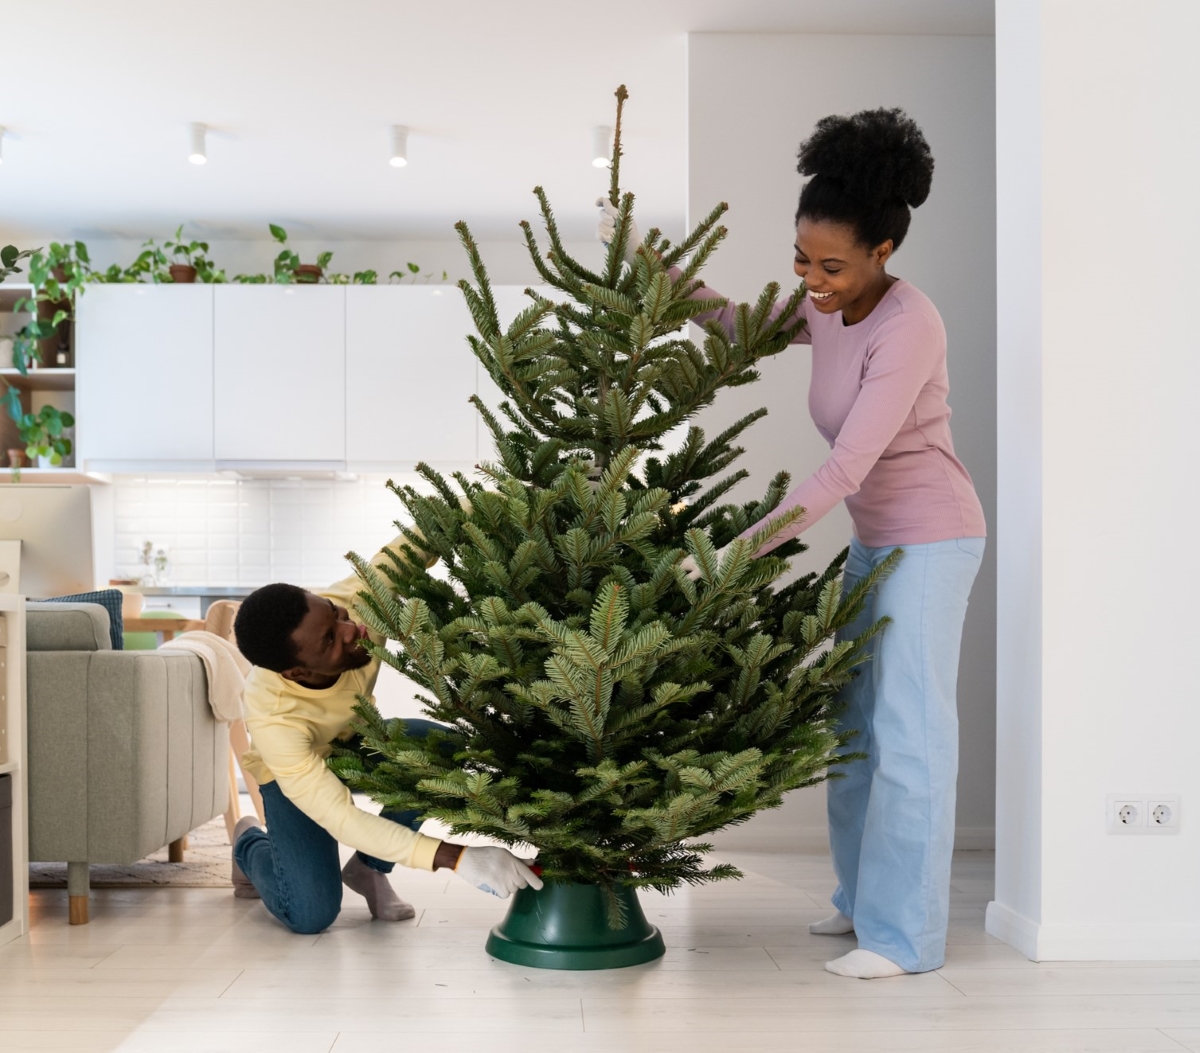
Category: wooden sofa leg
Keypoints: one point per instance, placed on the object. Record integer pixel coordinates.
(176, 849)
(78, 884)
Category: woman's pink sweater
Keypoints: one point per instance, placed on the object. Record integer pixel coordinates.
(878, 396)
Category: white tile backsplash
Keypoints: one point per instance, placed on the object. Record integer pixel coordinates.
(219, 531)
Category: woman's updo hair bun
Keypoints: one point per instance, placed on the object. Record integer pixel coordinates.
(868, 170)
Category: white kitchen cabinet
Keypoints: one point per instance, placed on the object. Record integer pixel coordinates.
(409, 376)
(144, 375)
(279, 374)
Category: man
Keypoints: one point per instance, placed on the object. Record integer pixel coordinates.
(310, 667)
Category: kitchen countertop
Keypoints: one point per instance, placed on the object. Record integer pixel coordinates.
(215, 591)
(207, 594)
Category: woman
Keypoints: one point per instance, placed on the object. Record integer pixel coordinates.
(878, 396)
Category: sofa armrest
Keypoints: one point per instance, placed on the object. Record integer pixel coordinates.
(124, 753)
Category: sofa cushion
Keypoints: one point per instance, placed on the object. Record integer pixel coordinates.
(110, 600)
(53, 626)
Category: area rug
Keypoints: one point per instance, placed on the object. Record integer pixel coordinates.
(206, 865)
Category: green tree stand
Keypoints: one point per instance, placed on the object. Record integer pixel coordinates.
(566, 926)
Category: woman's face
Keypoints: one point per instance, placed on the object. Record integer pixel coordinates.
(841, 273)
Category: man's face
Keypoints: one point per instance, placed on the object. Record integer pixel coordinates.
(327, 642)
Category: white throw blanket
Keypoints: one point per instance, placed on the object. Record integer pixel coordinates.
(225, 666)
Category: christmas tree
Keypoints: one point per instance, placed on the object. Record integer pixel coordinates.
(603, 707)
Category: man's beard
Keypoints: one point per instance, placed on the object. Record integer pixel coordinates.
(358, 658)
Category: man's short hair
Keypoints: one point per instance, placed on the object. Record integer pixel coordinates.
(265, 622)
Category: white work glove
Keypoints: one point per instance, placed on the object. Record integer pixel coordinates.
(495, 870)
(609, 214)
(692, 569)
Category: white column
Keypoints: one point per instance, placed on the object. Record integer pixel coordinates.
(1098, 374)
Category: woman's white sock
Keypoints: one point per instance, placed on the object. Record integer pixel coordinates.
(864, 965)
(836, 925)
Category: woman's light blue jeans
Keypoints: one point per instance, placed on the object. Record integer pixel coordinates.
(891, 816)
(294, 864)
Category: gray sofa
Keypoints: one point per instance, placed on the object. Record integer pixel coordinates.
(124, 754)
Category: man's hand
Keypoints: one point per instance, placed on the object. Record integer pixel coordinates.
(609, 213)
(692, 570)
(495, 870)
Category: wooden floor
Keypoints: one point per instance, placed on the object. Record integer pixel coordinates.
(185, 970)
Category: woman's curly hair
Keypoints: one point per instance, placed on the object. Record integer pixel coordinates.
(868, 170)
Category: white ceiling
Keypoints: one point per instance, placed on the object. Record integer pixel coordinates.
(300, 95)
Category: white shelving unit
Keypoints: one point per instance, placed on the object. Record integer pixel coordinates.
(12, 755)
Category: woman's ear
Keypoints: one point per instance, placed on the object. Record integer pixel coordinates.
(882, 252)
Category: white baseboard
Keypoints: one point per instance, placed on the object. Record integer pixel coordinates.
(1093, 943)
(1119, 943)
(1013, 928)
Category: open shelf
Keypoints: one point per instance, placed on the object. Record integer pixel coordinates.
(51, 379)
(10, 293)
(33, 476)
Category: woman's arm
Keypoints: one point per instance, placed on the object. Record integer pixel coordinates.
(906, 355)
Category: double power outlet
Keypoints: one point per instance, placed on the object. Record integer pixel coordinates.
(1143, 813)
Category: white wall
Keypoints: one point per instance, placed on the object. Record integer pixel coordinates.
(1098, 230)
(751, 99)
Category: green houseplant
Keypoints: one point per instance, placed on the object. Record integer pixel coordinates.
(58, 275)
(10, 256)
(42, 433)
(289, 269)
(189, 261)
(600, 705)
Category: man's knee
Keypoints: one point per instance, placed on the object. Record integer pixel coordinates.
(311, 921)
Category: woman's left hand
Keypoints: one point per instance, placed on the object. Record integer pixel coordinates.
(692, 570)
(609, 214)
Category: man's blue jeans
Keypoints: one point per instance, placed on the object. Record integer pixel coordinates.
(891, 816)
(294, 863)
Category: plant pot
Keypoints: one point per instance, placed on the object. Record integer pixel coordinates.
(565, 926)
(16, 458)
(308, 274)
(182, 274)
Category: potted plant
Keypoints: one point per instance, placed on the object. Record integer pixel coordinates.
(42, 433)
(190, 261)
(57, 276)
(289, 269)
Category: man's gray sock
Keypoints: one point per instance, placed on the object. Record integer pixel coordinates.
(375, 888)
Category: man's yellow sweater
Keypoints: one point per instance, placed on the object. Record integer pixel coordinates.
(291, 729)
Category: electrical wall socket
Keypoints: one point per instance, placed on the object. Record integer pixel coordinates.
(1143, 813)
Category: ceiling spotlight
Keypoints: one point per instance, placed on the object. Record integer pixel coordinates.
(601, 146)
(199, 154)
(399, 154)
